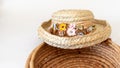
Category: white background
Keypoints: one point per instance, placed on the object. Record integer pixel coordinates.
(19, 21)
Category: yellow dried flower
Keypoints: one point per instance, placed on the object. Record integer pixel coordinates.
(62, 26)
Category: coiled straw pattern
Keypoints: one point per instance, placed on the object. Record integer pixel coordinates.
(103, 55)
(72, 16)
(102, 32)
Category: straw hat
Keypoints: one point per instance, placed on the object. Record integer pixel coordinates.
(104, 55)
(62, 30)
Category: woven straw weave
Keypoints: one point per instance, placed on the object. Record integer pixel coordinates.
(94, 50)
(104, 55)
(102, 32)
(70, 16)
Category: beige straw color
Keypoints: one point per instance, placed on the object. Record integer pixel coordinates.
(72, 16)
(102, 32)
(103, 55)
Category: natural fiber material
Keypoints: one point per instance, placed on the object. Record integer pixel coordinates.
(72, 16)
(101, 33)
(103, 55)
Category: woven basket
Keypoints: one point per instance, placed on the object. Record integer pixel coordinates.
(103, 55)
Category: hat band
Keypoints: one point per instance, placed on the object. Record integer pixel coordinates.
(64, 29)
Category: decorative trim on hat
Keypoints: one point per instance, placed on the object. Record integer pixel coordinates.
(72, 29)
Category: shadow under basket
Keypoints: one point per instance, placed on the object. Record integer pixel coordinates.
(103, 55)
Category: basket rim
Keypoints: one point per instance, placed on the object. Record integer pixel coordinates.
(30, 61)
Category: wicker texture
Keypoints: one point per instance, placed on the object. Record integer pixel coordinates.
(102, 32)
(104, 55)
(72, 16)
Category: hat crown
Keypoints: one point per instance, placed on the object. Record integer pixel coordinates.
(72, 16)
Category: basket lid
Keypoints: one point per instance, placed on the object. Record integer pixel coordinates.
(72, 16)
(71, 29)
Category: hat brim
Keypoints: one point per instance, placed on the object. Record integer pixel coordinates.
(104, 55)
(102, 32)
